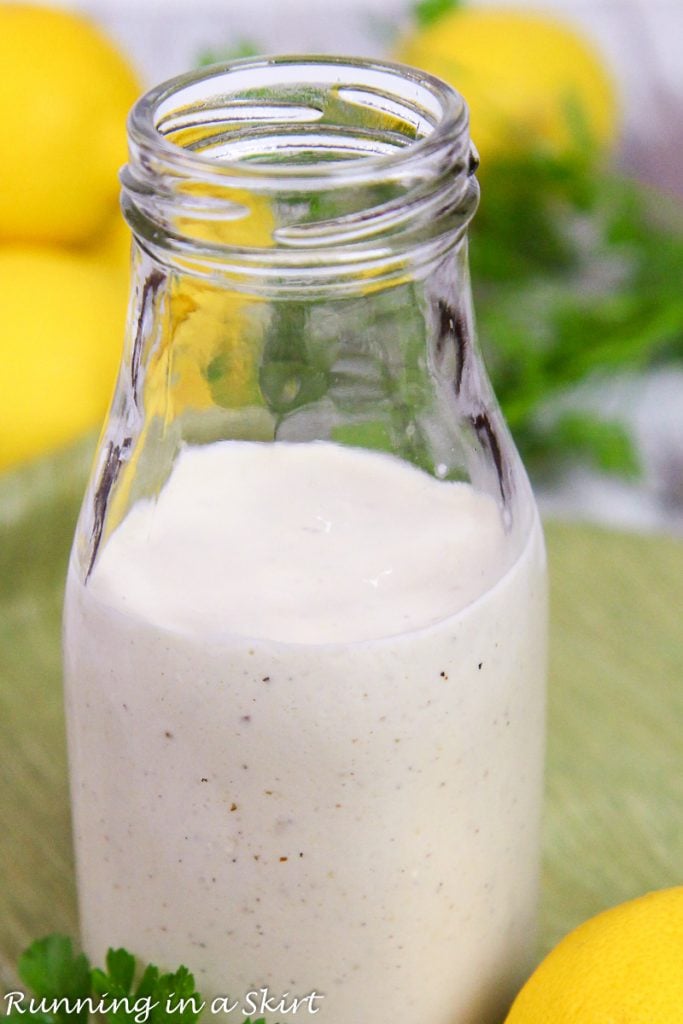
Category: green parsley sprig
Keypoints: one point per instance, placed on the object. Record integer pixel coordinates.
(68, 987)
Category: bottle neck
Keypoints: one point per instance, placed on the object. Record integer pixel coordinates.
(300, 175)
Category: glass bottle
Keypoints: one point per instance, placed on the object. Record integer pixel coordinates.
(305, 614)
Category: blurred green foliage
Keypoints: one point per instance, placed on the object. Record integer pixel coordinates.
(427, 11)
(577, 273)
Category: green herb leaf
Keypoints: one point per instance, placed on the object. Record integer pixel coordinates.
(121, 968)
(148, 982)
(177, 999)
(51, 970)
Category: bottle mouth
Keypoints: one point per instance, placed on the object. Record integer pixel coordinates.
(298, 165)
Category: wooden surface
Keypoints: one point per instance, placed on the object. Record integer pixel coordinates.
(614, 809)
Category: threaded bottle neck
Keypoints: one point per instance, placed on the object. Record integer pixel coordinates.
(293, 173)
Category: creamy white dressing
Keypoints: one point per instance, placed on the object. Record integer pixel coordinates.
(311, 543)
(305, 699)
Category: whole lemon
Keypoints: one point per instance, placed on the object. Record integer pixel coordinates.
(65, 92)
(61, 334)
(528, 79)
(625, 965)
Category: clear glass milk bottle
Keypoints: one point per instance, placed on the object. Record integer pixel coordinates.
(305, 613)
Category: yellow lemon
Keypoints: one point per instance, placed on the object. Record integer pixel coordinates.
(111, 248)
(61, 334)
(527, 78)
(623, 966)
(65, 92)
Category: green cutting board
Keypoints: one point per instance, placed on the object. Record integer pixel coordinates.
(614, 807)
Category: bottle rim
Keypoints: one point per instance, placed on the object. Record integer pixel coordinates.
(158, 102)
(223, 114)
